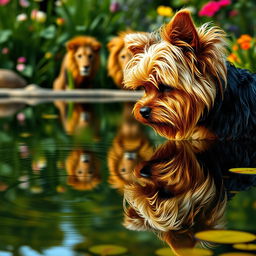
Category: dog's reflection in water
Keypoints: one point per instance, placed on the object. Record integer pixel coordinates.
(129, 147)
(83, 170)
(173, 195)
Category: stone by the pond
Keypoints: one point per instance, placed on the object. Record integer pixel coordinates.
(9, 109)
(244, 170)
(107, 249)
(225, 236)
(9, 79)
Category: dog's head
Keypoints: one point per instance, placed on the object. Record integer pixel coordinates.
(83, 52)
(118, 57)
(171, 193)
(181, 69)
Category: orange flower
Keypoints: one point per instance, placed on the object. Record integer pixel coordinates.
(244, 38)
(245, 45)
(233, 58)
(60, 21)
(235, 47)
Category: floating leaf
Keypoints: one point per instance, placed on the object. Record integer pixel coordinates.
(194, 252)
(246, 247)
(107, 249)
(225, 236)
(237, 254)
(245, 170)
(49, 116)
(25, 135)
(164, 252)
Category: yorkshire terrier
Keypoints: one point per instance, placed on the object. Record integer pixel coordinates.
(191, 91)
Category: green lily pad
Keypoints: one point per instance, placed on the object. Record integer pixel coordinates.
(245, 170)
(237, 254)
(107, 249)
(194, 252)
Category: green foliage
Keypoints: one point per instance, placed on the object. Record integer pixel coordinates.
(41, 37)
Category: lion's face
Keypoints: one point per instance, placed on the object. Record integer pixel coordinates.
(85, 57)
(123, 57)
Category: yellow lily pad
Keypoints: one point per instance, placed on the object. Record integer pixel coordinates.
(225, 236)
(246, 247)
(25, 134)
(194, 252)
(49, 116)
(237, 254)
(164, 252)
(107, 249)
(245, 170)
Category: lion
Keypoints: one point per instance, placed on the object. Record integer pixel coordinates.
(82, 60)
(118, 58)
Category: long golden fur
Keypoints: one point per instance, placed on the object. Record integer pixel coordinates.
(81, 60)
(83, 170)
(129, 147)
(181, 68)
(118, 58)
(173, 196)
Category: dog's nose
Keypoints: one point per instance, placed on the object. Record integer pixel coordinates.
(145, 112)
(145, 171)
(86, 68)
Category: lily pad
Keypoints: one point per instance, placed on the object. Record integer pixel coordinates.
(164, 252)
(225, 236)
(49, 116)
(246, 170)
(25, 135)
(195, 252)
(237, 254)
(246, 247)
(107, 249)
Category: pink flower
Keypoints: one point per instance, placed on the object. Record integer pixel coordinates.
(21, 60)
(4, 2)
(224, 3)
(24, 3)
(233, 13)
(5, 50)
(209, 9)
(20, 67)
(21, 117)
(114, 7)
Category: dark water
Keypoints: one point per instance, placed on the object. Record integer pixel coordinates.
(64, 166)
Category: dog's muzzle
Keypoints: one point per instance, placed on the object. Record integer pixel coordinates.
(85, 71)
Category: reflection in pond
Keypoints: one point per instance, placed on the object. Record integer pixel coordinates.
(83, 170)
(64, 169)
(184, 187)
(129, 147)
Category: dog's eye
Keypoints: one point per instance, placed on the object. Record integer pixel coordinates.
(165, 88)
(123, 170)
(79, 56)
(164, 193)
(123, 56)
(90, 56)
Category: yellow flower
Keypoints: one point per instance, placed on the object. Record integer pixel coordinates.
(60, 21)
(164, 11)
(48, 55)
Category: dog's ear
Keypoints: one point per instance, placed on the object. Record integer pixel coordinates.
(181, 29)
(133, 221)
(136, 42)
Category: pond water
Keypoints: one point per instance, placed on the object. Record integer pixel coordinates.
(65, 168)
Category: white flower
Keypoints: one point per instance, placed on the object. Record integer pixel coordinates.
(38, 16)
(22, 17)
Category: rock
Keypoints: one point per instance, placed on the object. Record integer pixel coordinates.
(9, 79)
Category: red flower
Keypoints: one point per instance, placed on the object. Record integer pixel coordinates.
(209, 9)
